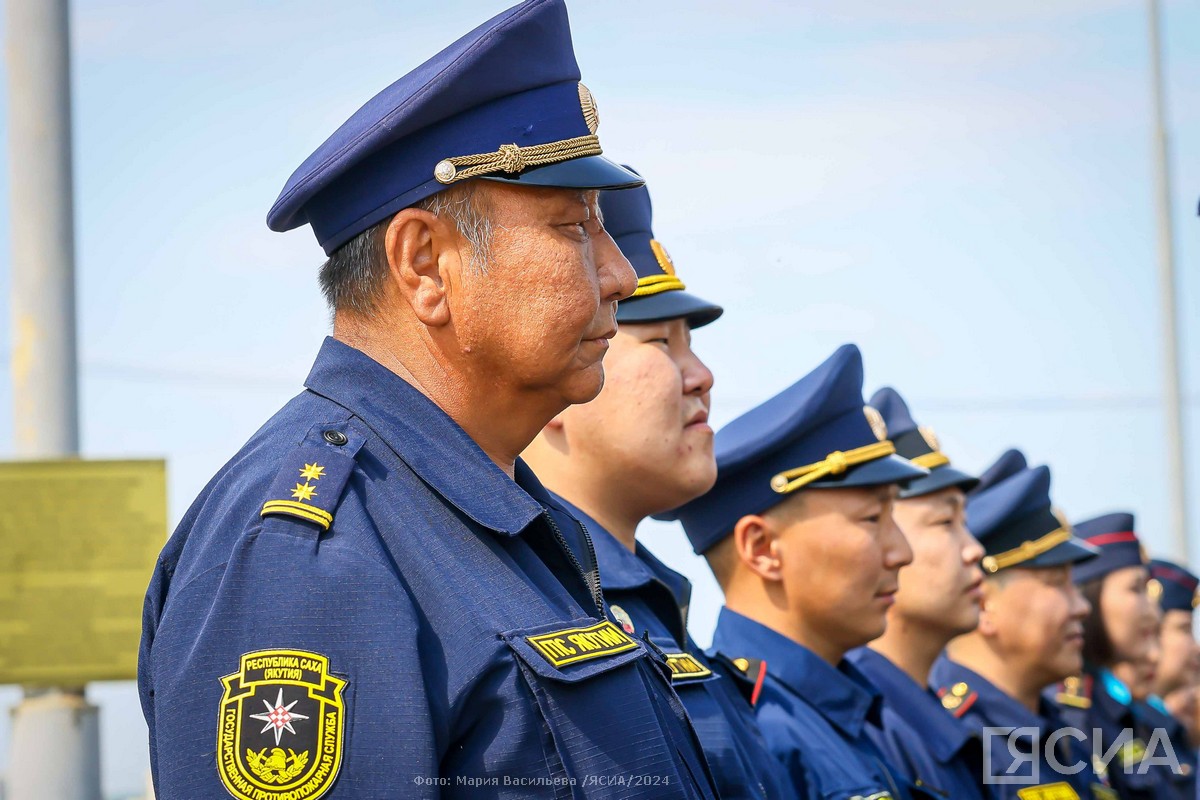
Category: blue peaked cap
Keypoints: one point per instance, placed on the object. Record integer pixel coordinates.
(473, 110)
(817, 422)
(1009, 463)
(1114, 537)
(920, 445)
(1176, 585)
(660, 294)
(1015, 522)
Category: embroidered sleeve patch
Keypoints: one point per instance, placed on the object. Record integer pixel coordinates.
(1049, 791)
(280, 726)
(573, 645)
(686, 667)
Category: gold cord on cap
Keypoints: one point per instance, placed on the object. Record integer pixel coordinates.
(835, 463)
(1026, 551)
(931, 460)
(511, 158)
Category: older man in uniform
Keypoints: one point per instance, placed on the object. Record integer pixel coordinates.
(375, 597)
(1030, 635)
(938, 600)
(798, 530)
(644, 446)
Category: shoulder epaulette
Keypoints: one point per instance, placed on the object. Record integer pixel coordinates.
(1075, 692)
(957, 699)
(311, 480)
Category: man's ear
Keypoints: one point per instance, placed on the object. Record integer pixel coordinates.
(424, 262)
(755, 539)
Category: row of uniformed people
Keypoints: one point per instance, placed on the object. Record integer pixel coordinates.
(820, 502)
(440, 623)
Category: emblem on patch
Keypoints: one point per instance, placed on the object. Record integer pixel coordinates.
(281, 725)
(622, 616)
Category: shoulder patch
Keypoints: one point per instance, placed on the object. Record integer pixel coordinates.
(686, 667)
(280, 726)
(1075, 692)
(1048, 791)
(572, 645)
(313, 476)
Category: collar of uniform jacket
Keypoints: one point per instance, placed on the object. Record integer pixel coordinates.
(842, 695)
(623, 570)
(913, 702)
(424, 437)
(994, 707)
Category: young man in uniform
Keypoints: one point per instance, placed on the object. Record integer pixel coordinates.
(1030, 635)
(375, 597)
(939, 598)
(642, 447)
(799, 533)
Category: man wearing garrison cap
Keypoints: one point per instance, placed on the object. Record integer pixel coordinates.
(1030, 636)
(375, 597)
(799, 533)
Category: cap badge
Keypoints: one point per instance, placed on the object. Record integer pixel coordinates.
(875, 420)
(930, 437)
(662, 257)
(591, 114)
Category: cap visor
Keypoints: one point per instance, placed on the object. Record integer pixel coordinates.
(673, 304)
(889, 469)
(588, 172)
(939, 478)
(1072, 551)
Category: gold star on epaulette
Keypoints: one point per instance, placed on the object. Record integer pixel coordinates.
(304, 491)
(312, 472)
(1075, 692)
(958, 698)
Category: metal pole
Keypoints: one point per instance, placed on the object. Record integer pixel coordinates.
(55, 733)
(45, 395)
(1172, 394)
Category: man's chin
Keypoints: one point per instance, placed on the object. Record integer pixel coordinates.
(583, 385)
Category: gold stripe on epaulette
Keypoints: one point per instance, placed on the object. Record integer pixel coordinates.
(292, 508)
(1049, 791)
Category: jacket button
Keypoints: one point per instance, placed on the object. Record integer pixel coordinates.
(335, 437)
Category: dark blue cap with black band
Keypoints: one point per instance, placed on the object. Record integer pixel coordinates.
(504, 102)
(817, 433)
(1018, 527)
(1175, 586)
(1114, 537)
(660, 293)
(920, 445)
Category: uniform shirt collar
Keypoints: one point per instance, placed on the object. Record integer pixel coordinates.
(425, 438)
(994, 706)
(622, 570)
(842, 694)
(913, 702)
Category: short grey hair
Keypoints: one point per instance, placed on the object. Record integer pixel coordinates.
(354, 275)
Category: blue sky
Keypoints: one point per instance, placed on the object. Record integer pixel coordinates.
(963, 189)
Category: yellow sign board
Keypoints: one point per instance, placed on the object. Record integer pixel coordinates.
(78, 542)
